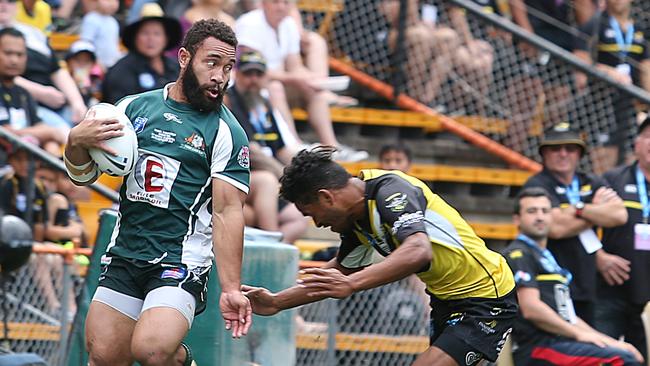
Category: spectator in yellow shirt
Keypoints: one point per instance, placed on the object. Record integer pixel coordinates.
(36, 13)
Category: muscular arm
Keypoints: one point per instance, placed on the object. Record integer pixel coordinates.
(606, 214)
(299, 295)
(228, 232)
(571, 225)
(414, 254)
(543, 316)
(65, 83)
(48, 95)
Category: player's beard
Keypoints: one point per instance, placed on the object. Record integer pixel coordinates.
(195, 92)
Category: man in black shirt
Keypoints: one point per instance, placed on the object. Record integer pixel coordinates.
(547, 330)
(580, 202)
(622, 298)
(145, 67)
(252, 108)
(620, 49)
(17, 108)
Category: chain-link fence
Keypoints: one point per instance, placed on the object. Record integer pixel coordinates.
(462, 63)
(382, 326)
(40, 303)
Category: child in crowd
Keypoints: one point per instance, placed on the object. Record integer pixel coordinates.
(100, 28)
(395, 157)
(82, 64)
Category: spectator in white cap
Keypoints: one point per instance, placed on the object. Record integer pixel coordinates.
(81, 60)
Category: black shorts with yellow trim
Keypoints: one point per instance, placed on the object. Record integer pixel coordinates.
(472, 329)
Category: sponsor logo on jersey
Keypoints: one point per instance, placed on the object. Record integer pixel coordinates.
(396, 202)
(630, 188)
(171, 117)
(638, 36)
(139, 123)
(162, 136)
(407, 219)
(152, 179)
(175, 273)
(455, 318)
(194, 143)
(472, 357)
(243, 158)
(560, 190)
(488, 328)
(522, 276)
(609, 33)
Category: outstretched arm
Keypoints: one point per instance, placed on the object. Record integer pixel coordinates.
(265, 302)
(333, 280)
(228, 243)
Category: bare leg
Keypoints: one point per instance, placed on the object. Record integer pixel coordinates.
(263, 198)
(318, 110)
(292, 223)
(108, 336)
(151, 346)
(474, 63)
(43, 274)
(278, 99)
(434, 356)
(316, 55)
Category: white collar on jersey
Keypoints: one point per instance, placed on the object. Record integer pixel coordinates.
(166, 90)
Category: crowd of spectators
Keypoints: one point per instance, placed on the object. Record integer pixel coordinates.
(577, 289)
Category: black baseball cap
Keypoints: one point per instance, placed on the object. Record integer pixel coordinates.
(562, 134)
(251, 60)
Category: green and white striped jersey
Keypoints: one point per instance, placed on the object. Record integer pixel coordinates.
(165, 213)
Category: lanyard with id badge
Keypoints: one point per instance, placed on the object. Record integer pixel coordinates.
(642, 230)
(588, 237)
(561, 291)
(624, 44)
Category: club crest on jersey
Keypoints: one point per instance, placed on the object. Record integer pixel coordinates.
(194, 143)
(139, 123)
(396, 202)
(243, 158)
(171, 117)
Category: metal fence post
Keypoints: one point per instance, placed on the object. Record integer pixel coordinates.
(64, 332)
(332, 329)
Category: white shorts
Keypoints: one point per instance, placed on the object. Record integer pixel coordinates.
(166, 296)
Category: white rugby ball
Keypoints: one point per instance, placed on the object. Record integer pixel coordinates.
(126, 146)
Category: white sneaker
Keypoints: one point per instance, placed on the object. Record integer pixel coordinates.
(348, 154)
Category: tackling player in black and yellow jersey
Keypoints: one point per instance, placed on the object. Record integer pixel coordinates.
(398, 216)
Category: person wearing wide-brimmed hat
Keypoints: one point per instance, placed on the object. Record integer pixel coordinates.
(581, 202)
(145, 67)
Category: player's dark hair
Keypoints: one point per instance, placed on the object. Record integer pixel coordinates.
(13, 32)
(309, 171)
(529, 192)
(400, 148)
(207, 28)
